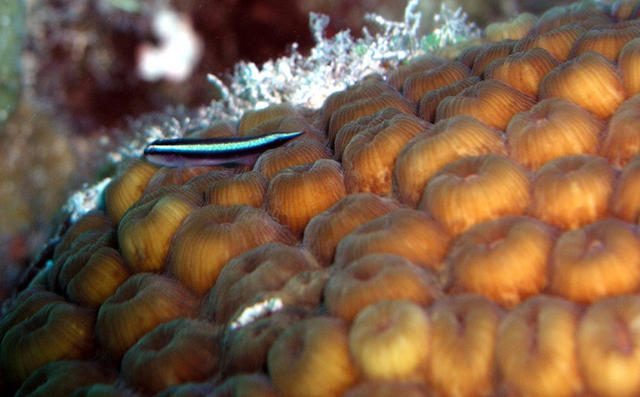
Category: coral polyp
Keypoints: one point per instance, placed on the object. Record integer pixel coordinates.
(464, 224)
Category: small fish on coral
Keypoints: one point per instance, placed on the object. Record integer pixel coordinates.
(190, 152)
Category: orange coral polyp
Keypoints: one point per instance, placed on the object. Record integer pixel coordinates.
(58, 331)
(476, 189)
(63, 378)
(607, 40)
(311, 358)
(146, 230)
(381, 388)
(170, 177)
(553, 128)
(490, 53)
(589, 80)
(548, 327)
(572, 191)
(365, 107)
(558, 41)
(625, 204)
(624, 9)
(245, 349)
(369, 158)
(298, 152)
(247, 188)
(124, 191)
(389, 340)
(364, 89)
(416, 85)
(297, 194)
(599, 260)
(629, 64)
(144, 301)
(398, 77)
(608, 346)
(377, 277)
(563, 15)
(213, 235)
(622, 136)
(490, 101)
(266, 268)
(462, 345)
(522, 70)
(514, 29)
(408, 233)
(178, 351)
(98, 279)
(429, 102)
(291, 123)
(325, 230)
(253, 118)
(504, 259)
(25, 305)
(91, 222)
(353, 128)
(449, 140)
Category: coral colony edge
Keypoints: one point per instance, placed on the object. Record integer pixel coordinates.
(463, 224)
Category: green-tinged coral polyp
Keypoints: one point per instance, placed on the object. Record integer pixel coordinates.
(453, 227)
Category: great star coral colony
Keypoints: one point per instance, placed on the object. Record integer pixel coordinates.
(456, 228)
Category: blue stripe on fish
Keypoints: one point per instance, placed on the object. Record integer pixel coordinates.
(187, 152)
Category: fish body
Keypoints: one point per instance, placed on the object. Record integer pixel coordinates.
(189, 152)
